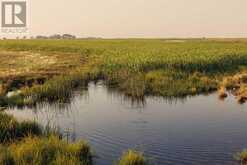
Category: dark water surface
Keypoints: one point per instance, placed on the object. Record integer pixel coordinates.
(201, 130)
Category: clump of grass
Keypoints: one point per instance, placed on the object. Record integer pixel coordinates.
(48, 150)
(177, 83)
(2, 91)
(11, 130)
(241, 157)
(134, 86)
(222, 93)
(3, 102)
(58, 88)
(132, 157)
(242, 94)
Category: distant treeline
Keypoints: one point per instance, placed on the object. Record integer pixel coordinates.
(57, 36)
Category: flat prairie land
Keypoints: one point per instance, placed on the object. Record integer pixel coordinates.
(137, 67)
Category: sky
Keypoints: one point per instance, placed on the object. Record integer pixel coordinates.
(139, 18)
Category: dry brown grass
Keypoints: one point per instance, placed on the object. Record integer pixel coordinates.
(24, 63)
(236, 83)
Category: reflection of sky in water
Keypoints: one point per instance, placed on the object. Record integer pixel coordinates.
(197, 130)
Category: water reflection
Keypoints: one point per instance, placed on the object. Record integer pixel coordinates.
(196, 130)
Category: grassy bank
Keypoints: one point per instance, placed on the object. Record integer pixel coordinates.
(27, 143)
(134, 67)
(49, 150)
(11, 130)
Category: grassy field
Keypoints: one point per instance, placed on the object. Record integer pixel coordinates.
(169, 68)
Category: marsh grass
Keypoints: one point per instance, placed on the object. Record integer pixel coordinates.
(241, 157)
(132, 157)
(26, 142)
(59, 88)
(242, 93)
(222, 93)
(11, 130)
(135, 67)
(47, 150)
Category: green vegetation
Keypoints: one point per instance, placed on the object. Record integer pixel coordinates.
(132, 158)
(50, 151)
(134, 67)
(27, 143)
(242, 157)
(11, 130)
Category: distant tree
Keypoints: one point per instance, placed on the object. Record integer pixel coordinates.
(68, 36)
(41, 37)
(55, 36)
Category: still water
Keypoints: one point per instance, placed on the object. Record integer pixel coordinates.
(200, 130)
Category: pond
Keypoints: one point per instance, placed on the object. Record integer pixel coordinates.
(196, 130)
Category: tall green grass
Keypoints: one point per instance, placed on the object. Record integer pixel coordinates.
(59, 88)
(12, 130)
(26, 142)
(50, 151)
(140, 67)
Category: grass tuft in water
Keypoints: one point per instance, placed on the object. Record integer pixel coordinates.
(132, 157)
(241, 157)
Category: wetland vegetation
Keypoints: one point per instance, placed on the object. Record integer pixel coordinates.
(49, 69)
(33, 71)
(27, 143)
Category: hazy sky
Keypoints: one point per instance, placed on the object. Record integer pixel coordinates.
(140, 18)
